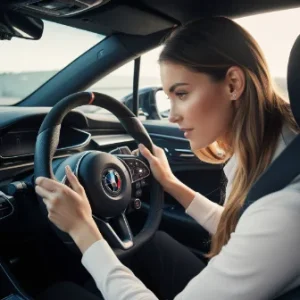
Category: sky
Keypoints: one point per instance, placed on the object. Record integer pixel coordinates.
(275, 32)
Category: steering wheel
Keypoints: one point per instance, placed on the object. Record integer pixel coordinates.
(110, 181)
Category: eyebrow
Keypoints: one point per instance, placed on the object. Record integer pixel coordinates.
(174, 86)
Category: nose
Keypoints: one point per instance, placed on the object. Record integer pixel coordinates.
(173, 117)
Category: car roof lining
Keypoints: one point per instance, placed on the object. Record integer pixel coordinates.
(126, 16)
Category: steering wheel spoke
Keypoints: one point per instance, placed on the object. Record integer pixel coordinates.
(117, 231)
(138, 168)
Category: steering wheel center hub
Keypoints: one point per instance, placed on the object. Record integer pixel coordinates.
(112, 182)
(107, 183)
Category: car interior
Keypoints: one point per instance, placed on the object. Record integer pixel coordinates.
(47, 130)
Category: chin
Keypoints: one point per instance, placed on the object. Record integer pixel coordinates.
(198, 145)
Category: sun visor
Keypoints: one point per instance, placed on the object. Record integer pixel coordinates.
(129, 20)
(104, 17)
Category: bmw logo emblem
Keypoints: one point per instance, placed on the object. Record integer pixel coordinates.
(111, 181)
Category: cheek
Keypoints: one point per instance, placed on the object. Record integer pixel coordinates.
(210, 113)
(214, 104)
(205, 105)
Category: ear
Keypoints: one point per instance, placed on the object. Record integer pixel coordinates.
(235, 81)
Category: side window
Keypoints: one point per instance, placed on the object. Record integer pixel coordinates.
(274, 37)
(275, 32)
(118, 84)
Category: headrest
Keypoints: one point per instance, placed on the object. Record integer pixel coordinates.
(293, 80)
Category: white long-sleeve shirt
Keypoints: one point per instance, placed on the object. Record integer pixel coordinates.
(260, 261)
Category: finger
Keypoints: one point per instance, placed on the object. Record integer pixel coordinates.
(146, 153)
(47, 183)
(43, 192)
(73, 180)
(47, 204)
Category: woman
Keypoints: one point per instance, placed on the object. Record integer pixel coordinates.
(223, 99)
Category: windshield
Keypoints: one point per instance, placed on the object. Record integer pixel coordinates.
(26, 65)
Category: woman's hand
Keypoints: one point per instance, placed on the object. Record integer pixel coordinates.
(69, 209)
(159, 164)
(162, 172)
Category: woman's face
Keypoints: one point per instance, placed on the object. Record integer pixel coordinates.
(200, 106)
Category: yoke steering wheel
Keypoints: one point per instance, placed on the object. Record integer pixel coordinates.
(109, 180)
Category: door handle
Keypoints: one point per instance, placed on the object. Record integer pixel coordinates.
(184, 153)
(179, 153)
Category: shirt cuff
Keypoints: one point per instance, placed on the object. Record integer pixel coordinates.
(99, 259)
(205, 212)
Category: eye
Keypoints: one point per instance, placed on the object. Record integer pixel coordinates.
(181, 95)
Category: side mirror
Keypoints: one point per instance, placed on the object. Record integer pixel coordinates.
(153, 103)
(143, 115)
(147, 106)
(162, 103)
(14, 24)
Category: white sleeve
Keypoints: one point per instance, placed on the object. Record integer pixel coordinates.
(205, 212)
(261, 259)
(113, 279)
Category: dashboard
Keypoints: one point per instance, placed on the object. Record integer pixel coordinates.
(19, 128)
(20, 214)
(18, 143)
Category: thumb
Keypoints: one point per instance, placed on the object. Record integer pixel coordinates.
(146, 153)
(73, 180)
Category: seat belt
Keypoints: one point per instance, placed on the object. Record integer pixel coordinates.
(285, 168)
(281, 172)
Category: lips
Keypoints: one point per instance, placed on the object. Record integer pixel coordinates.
(187, 131)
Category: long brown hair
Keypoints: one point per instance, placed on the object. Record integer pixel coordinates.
(211, 46)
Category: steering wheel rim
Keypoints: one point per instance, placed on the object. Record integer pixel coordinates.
(47, 142)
